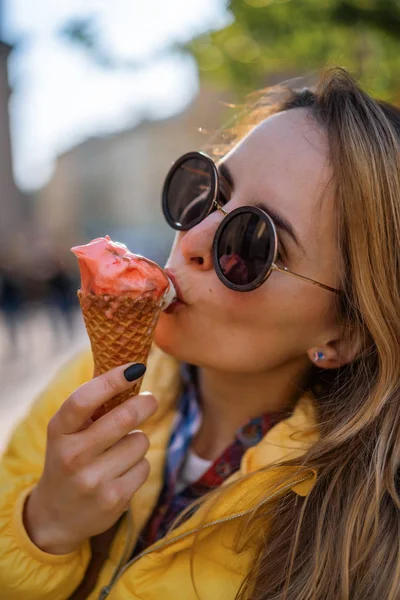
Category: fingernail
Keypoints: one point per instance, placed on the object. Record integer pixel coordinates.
(134, 372)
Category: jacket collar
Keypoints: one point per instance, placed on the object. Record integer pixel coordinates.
(288, 439)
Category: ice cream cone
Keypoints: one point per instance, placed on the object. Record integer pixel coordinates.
(125, 338)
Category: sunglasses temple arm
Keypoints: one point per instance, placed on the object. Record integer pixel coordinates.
(219, 207)
(275, 267)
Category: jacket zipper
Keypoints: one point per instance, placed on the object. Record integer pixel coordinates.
(124, 557)
(106, 590)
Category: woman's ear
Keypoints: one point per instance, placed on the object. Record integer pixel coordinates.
(338, 352)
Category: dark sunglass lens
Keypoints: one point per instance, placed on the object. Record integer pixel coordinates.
(244, 248)
(190, 191)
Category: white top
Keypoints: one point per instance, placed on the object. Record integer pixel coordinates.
(193, 468)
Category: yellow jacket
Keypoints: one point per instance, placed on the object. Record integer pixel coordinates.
(162, 572)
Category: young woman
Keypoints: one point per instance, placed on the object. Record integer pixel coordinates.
(270, 468)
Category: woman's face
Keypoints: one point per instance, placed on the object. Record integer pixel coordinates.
(283, 164)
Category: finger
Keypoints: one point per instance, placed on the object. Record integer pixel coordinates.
(115, 425)
(79, 407)
(118, 493)
(119, 459)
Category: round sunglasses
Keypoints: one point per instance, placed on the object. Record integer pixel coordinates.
(245, 247)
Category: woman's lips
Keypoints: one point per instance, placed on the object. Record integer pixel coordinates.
(172, 277)
(174, 307)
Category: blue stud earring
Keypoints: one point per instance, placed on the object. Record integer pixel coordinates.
(318, 356)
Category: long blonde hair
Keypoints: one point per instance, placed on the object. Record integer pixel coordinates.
(343, 539)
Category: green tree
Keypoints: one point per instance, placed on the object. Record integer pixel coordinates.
(273, 39)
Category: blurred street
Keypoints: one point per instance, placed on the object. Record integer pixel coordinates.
(30, 356)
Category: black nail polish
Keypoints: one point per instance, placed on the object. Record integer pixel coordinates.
(134, 372)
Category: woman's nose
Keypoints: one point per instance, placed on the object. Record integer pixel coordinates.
(196, 243)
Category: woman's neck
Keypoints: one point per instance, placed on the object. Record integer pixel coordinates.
(229, 400)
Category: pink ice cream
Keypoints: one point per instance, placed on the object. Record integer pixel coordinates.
(109, 268)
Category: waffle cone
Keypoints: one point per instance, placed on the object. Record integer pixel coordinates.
(120, 330)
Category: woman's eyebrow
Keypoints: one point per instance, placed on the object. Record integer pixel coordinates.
(226, 174)
(281, 223)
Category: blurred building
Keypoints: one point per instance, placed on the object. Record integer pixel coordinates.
(14, 205)
(113, 184)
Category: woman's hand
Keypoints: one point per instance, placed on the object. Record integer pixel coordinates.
(92, 469)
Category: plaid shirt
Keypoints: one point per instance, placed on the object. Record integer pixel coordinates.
(187, 423)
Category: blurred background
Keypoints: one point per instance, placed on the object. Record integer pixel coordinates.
(98, 98)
